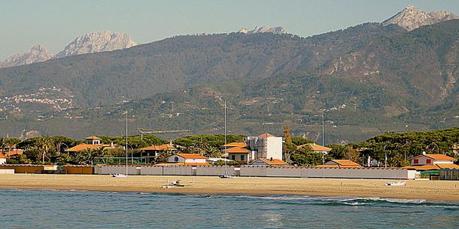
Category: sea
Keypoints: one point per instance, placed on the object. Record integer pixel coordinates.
(88, 209)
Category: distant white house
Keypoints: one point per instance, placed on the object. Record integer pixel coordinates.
(187, 159)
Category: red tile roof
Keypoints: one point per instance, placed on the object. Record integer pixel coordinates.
(448, 166)
(237, 150)
(163, 147)
(340, 164)
(422, 167)
(13, 152)
(315, 147)
(236, 144)
(273, 162)
(265, 135)
(439, 157)
(191, 156)
(83, 146)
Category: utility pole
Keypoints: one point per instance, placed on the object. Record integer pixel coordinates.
(126, 144)
(225, 123)
(323, 129)
(323, 136)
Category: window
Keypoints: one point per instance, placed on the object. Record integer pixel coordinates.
(416, 161)
(233, 157)
(176, 159)
(429, 161)
(242, 157)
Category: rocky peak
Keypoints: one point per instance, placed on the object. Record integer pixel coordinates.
(263, 29)
(36, 54)
(411, 18)
(97, 42)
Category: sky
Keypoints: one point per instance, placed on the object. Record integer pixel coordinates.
(54, 23)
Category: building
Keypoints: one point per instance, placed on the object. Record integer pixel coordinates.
(10, 153)
(265, 146)
(90, 143)
(340, 164)
(268, 162)
(187, 159)
(156, 150)
(431, 159)
(238, 154)
(316, 148)
(429, 162)
(93, 140)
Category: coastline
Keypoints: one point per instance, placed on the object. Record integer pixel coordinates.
(258, 186)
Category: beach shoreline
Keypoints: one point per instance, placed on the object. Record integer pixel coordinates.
(255, 186)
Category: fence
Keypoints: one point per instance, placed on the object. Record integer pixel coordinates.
(449, 174)
(261, 171)
(19, 168)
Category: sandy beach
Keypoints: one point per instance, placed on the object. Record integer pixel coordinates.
(428, 190)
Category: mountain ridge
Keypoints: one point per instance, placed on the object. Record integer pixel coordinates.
(411, 18)
(87, 43)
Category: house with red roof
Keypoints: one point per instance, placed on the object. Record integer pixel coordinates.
(187, 159)
(269, 162)
(90, 143)
(316, 148)
(156, 150)
(239, 154)
(426, 162)
(432, 159)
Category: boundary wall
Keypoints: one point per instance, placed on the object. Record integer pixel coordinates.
(261, 171)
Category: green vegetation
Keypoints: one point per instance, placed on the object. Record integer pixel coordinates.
(399, 148)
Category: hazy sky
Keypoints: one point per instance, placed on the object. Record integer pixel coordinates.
(54, 23)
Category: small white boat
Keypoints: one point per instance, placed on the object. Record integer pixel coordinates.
(396, 183)
(173, 184)
(119, 175)
(226, 176)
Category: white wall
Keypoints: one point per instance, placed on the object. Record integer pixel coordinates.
(195, 160)
(274, 148)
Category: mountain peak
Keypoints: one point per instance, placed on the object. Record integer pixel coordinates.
(411, 18)
(36, 54)
(263, 29)
(97, 42)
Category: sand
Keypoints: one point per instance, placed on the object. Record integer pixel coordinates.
(420, 189)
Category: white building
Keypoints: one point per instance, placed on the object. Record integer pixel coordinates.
(187, 159)
(265, 146)
(431, 159)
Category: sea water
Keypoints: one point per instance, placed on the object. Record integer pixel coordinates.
(77, 209)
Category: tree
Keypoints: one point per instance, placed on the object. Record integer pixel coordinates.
(289, 147)
(45, 146)
(351, 154)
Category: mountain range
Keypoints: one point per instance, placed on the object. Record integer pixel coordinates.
(87, 43)
(356, 82)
